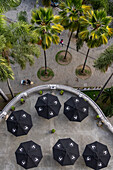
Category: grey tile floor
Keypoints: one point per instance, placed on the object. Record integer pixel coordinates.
(82, 133)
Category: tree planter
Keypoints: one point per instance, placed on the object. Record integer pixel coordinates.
(85, 75)
(45, 77)
(60, 58)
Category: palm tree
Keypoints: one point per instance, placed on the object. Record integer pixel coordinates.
(6, 72)
(102, 63)
(107, 97)
(23, 44)
(98, 4)
(46, 28)
(46, 3)
(17, 45)
(6, 5)
(71, 10)
(97, 30)
(22, 16)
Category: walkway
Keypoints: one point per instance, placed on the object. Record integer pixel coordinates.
(83, 133)
(63, 74)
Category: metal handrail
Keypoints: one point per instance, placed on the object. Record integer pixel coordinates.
(58, 87)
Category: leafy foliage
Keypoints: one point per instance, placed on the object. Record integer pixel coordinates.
(5, 70)
(97, 30)
(47, 26)
(105, 60)
(70, 13)
(17, 45)
(53, 131)
(79, 44)
(110, 11)
(109, 110)
(46, 3)
(22, 16)
(98, 4)
(20, 46)
(108, 95)
(12, 108)
(6, 5)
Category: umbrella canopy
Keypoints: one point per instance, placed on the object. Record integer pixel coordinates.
(19, 123)
(48, 106)
(76, 109)
(28, 154)
(96, 155)
(66, 151)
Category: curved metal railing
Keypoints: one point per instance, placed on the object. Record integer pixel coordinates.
(59, 87)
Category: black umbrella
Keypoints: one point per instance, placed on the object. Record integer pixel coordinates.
(48, 106)
(19, 123)
(28, 154)
(96, 155)
(76, 109)
(66, 151)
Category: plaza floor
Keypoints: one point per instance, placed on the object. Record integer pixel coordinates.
(62, 74)
(82, 133)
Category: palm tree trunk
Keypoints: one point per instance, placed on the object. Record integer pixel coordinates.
(76, 36)
(68, 44)
(3, 95)
(103, 87)
(10, 89)
(85, 60)
(45, 62)
(78, 29)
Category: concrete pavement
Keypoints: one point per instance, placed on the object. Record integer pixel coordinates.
(82, 133)
(63, 74)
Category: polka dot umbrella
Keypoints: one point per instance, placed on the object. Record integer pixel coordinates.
(48, 106)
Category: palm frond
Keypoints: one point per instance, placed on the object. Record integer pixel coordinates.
(7, 5)
(48, 26)
(105, 60)
(5, 70)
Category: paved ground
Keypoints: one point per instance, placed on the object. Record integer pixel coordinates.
(63, 74)
(82, 133)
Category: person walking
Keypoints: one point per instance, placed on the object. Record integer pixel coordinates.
(61, 42)
(28, 81)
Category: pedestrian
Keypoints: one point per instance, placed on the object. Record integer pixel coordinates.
(61, 42)
(28, 81)
(23, 82)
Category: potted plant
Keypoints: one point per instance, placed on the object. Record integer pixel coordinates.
(22, 101)
(40, 92)
(53, 131)
(97, 117)
(12, 108)
(62, 92)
